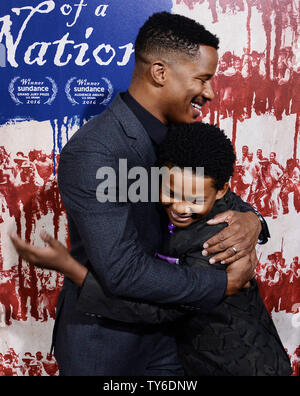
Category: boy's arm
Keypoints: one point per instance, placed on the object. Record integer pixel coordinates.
(54, 257)
(95, 300)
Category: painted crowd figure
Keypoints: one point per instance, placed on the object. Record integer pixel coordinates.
(28, 190)
(243, 86)
(27, 364)
(266, 184)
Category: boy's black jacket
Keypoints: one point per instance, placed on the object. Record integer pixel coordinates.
(237, 337)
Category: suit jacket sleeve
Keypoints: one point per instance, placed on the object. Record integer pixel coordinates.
(98, 302)
(130, 311)
(111, 244)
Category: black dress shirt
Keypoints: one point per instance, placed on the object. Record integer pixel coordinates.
(156, 130)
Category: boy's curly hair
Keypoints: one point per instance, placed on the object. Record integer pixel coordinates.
(199, 145)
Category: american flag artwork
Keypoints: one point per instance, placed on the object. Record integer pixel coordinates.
(256, 102)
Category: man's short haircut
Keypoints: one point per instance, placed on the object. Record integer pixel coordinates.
(164, 32)
(199, 145)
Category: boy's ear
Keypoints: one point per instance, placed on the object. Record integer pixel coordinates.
(158, 71)
(221, 193)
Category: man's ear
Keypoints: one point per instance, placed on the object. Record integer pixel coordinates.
(158, 71)
(221, 193)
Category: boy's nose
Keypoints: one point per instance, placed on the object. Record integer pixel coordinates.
(182, 209)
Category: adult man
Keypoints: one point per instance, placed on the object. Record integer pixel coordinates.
(175, 61)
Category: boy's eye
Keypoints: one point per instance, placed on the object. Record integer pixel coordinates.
(177, 197)
(171, 194)
(195, 201)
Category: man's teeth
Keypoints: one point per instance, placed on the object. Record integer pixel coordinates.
(196, 106)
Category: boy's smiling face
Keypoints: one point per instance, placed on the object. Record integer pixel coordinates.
(183, 209)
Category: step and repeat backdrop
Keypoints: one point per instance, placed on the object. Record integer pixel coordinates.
(62, 62)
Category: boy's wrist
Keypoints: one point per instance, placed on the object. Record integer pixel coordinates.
(234, 284)
(75, 271)
(232, 287)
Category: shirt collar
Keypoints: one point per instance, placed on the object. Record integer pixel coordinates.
(154, 127)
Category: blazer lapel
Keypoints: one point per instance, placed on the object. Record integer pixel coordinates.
(140, 141)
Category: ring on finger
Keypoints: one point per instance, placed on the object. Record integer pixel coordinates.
(234, 250)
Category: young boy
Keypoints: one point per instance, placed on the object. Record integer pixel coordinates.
(237, 337)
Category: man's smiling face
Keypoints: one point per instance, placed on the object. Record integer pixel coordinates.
(189, 86)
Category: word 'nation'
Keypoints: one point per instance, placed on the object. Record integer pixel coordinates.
(66, 48)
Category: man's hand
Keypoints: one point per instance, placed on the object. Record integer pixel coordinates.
(237, 240)
(54, 257)
(240, 273)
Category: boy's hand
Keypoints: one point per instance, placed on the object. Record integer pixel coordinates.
(54, 257)
(237, 240)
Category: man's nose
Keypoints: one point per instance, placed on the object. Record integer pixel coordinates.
(208, 92)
